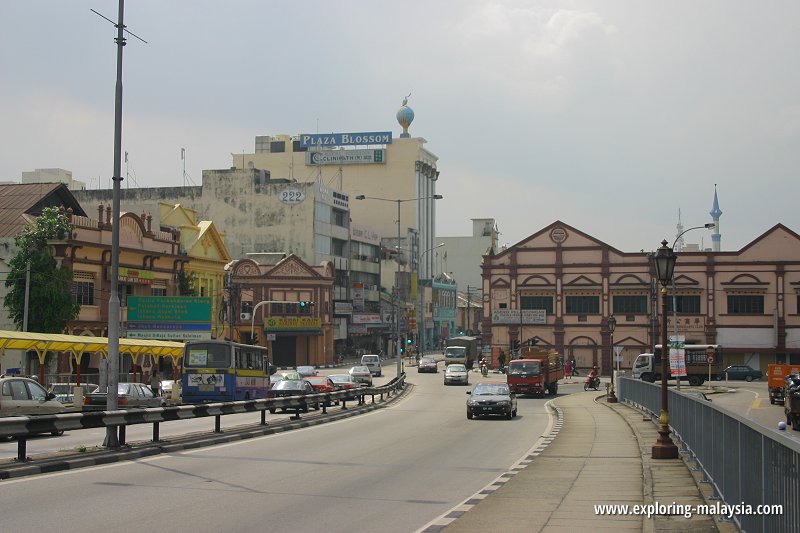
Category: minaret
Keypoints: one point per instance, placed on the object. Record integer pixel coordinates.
(679, 227)
(715, 214)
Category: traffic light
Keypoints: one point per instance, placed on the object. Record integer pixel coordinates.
(408, 341)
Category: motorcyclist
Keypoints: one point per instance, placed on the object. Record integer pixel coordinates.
(483, 365)
(593, 376)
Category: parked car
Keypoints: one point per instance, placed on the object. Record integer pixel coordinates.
(306, 371)
(373, 362)
(456, 373)
(362, 375)
(65, 392)
(21, 396)
(344, 381)
(291, 387)
(491, 398)
(129, 396)
(428, 364)
(744, 372)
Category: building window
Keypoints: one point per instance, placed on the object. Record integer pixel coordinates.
(583, 305)
(339, 218)
(538, 302)
(633, 305)
(277, 146)
(83, 292)
(338, 247)
(745, 304)
(158, 291)
(689, 305)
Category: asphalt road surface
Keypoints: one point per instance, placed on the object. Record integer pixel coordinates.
(393, 470)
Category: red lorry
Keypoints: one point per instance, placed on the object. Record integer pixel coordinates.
(536, 373)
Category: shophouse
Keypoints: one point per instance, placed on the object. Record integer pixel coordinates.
(559, 287)
(281, 302)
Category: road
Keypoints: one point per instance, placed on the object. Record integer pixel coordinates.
(751, 400)
(393, 469)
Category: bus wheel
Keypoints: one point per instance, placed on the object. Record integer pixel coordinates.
(694, 381)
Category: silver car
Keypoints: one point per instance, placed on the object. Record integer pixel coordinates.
(456, 373)
(21, 396)
(129, 396)
(362, 375)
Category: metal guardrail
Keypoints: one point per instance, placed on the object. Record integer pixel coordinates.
(23, 427)
(746, 464)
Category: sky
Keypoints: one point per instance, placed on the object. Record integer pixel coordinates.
(610, 116)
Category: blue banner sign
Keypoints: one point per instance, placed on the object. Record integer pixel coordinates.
(345, 139)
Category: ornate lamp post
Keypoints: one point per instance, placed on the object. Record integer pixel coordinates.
(664, 260)
(612, 325)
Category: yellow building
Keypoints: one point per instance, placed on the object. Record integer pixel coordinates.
(205, 247)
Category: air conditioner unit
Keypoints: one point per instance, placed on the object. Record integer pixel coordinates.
(245, 316)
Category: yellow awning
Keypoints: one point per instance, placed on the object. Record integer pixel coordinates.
(79, 344)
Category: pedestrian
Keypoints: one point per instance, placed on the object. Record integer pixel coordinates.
(569, 368)
(155, 382)
(502, 359)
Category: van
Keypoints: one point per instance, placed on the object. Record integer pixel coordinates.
(373, 362)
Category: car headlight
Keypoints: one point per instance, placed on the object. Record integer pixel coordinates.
(471, 403)
(504, 403)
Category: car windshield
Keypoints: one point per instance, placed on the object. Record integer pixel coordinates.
(288, 384)
(359, 369)
(61, 388)
(486, 389)
(305, 370)
(339, 378)
(524, 368)
(427, 360)
(456, 368)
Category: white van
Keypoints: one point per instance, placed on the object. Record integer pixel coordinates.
(373, 362)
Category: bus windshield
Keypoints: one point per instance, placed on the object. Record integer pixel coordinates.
(524, 368)
(209, 355)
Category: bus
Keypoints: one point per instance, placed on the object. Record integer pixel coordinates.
(224, 371)
(703, 361)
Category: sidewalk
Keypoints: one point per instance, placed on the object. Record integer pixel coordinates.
(600, 455)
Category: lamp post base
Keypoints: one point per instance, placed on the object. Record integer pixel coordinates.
(611, 398)
(664, 448)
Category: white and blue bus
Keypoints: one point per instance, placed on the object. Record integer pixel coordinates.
(224, 371)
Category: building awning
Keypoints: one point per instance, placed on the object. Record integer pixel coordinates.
(78, 345)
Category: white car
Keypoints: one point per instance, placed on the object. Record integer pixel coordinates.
(373, 362)
(456, 373)
(362, 375)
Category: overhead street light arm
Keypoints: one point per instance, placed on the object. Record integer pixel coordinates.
(708, 225)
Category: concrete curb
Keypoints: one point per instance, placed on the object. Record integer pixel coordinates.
(555, 424)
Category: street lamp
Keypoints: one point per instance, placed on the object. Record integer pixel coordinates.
(398, 201)
(421, 289)
(664, 260)
(708, 225)
(612, 325)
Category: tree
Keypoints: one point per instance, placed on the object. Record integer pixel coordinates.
(50, 301)
(186, 283)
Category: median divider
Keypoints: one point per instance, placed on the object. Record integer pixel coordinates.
(23, 427)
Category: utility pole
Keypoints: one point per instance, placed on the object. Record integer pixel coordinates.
(27, 294)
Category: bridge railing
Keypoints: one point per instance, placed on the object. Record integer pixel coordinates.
(746, 464)
(23, 427)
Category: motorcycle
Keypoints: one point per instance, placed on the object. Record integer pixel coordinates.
(484, 369)
(591, 382)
